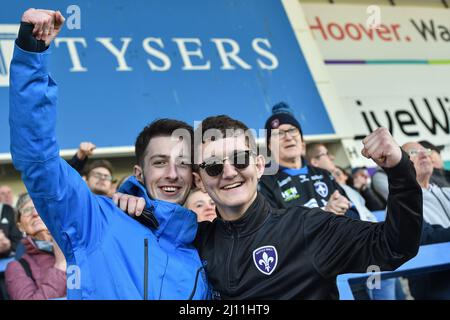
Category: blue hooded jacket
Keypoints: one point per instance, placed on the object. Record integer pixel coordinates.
(104, 247)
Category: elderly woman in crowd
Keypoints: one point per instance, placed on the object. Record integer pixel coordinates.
(41, 272)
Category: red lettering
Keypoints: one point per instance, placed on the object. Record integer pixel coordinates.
(351, 26)
(337, 27)
(394, 29)
(319, 27)
(369, 32)
(382, 30)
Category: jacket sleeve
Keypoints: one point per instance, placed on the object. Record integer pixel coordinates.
(14, 234)
(373, 203)
(22, 287)
(77, 163)
(341, 245)
(434, 233)
(61, 197)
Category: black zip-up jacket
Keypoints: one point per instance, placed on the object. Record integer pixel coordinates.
(296, 253)
(309, 186)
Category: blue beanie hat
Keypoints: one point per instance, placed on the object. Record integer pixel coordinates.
(281, 114)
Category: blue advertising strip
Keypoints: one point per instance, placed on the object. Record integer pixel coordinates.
(121, 64)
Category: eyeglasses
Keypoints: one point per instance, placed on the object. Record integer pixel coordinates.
(101, 176)
(239, 159)
(416, 152)
(26, 212)
(293, 132)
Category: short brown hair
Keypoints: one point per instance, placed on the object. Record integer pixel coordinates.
(158, 128)
(311, 150)
(99, 164)
(224, 125)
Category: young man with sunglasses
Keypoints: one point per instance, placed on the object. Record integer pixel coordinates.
(253, 251)
(297, 182)
(115, 256)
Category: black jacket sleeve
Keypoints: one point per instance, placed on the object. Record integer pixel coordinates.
(27, 41)
(434, 233)
(10, 230)
(341, 245)
(77, 163)
(373, 202)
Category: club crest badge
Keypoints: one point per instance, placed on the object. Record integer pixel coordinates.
(321, 189)
(266, 259)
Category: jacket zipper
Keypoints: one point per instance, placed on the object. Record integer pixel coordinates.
(145, 269)
(230, 255)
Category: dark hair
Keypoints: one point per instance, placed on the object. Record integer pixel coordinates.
(158, 128)
(311, 150)
(227, 127)
(99, 164)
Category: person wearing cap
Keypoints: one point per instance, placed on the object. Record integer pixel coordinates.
(40, 273)
(440, 176)
(296, 182)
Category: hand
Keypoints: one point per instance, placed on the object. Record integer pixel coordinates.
(382, 148)
(338, 204)
(130, 204)
(60, 259)
(5, 243)
(86, 149)
(47, 23)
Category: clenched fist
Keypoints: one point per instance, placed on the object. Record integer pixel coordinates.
(47, 23)
(382, 148)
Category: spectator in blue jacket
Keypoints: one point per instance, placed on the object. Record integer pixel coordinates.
(109, 254)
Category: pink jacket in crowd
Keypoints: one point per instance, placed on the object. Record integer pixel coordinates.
(49, 283)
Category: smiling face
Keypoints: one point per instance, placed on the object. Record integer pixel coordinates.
(421, 158)
(287, 147)
(167, 172)
(30, 222)
(202, 204)
(233, 190)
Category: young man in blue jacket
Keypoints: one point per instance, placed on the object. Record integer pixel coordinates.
(109, 254)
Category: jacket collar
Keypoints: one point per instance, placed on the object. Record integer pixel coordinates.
(251, 220)
(30, 246)
(175, 222)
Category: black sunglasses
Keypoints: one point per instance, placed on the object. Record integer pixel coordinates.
(239, 159)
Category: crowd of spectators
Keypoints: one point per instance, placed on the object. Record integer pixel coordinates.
(307, 177)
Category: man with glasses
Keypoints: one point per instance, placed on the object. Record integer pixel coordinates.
(296, 182)
(440, 177)
(436, 200)
(436, 214)
(253, 251)
(99, 177)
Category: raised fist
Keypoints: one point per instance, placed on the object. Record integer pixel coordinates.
(86, 149)
(47, 23)
(382, 148)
